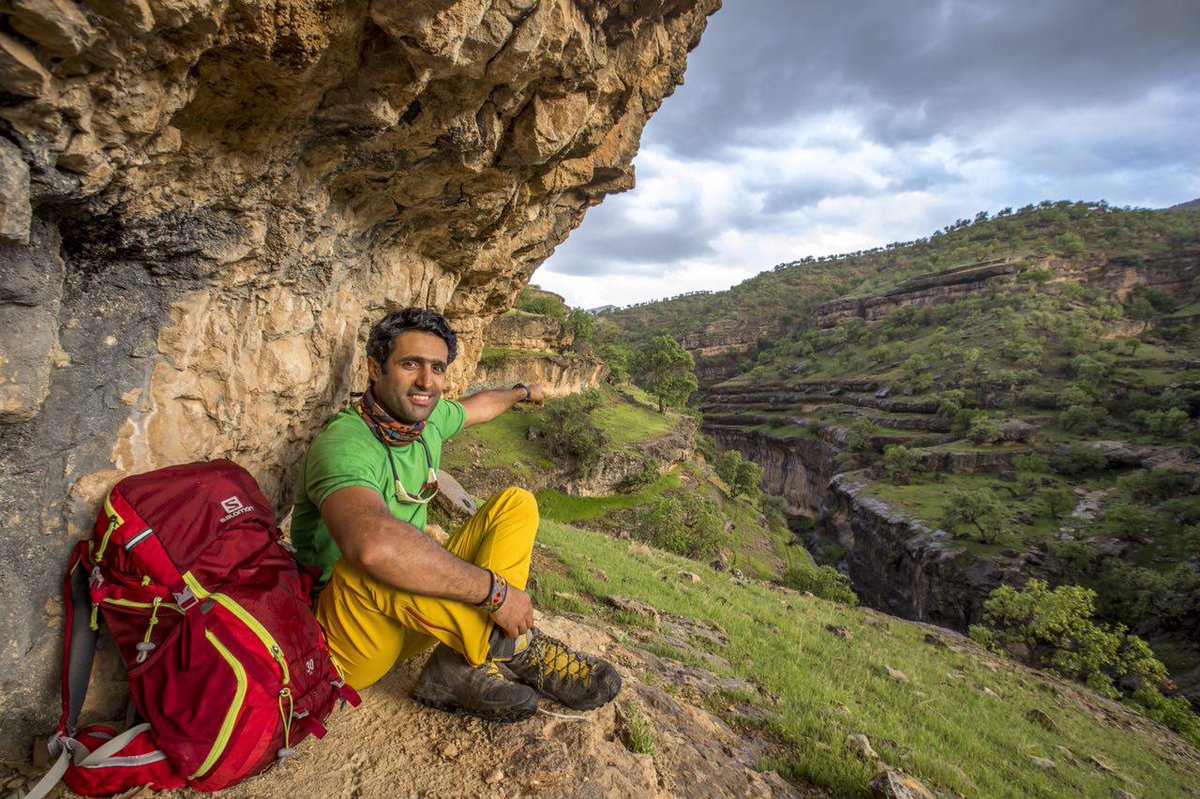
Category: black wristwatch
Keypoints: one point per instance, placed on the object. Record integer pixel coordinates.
(528, 393)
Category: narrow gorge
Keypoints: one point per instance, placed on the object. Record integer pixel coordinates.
(801, 431)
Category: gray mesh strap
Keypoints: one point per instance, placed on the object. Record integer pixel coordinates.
(51, 778)
(81, 639)
(113, 745)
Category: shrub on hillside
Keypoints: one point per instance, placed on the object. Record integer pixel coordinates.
(571, 433)
(899, 462)
(1058, 501)
(823, 581)
(1127, 521)
(1078, 459)
(581, 324)
(986, 430)
(1083, 419)
(743, 477)
(859, 432)
(530, 301)
(638, 480)
(697, 532)
(1031, 462)
(1172, 423)
(1055, 630)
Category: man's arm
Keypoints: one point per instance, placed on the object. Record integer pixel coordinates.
(398, 554)
(487, 405)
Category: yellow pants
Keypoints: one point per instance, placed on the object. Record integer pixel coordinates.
(371, 626)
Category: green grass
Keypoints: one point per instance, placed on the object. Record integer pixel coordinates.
(566, 508)
(626, 421)
(947, 731)
(501, 443)
(638, 730)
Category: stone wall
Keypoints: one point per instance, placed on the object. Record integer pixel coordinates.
(203, 205)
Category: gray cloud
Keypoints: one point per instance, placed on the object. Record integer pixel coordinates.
(808, 126)
(919, 68)
(615, 244)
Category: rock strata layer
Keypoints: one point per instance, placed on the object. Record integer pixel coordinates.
(530, 348)
(203, 205)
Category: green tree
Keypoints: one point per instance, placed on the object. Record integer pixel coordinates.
(1055, 630)
(981, 509)
(581, 324)
(899, 462)
(572, 434)
(747, 481)
(986, 429)
(1082, 419)
(661, 524)
(823, 581)
(531, 300)
(1058, 501)
(743, 477)
(1127, 521)
(666, 370)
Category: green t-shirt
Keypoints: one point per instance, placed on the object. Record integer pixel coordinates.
(346, 453)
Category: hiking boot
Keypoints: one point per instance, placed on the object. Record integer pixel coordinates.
(579, 681)
(450, 683)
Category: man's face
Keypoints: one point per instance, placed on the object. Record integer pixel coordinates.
(412, 384)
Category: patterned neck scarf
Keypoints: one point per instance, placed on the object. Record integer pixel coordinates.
(383, 425)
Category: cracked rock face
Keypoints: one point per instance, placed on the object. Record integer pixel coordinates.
(203, 206)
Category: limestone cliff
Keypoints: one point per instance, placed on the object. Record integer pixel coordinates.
(721, 348)
(1170, 275)
(203, 205)
(530, 348)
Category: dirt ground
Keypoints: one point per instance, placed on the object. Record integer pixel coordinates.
(391, 746)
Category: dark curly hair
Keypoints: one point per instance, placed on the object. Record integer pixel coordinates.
(383, 333)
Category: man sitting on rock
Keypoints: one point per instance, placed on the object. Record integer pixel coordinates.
(390, 591)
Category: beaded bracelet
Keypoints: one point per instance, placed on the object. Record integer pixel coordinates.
(497, 593)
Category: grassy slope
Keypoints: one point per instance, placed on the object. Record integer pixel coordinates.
(958, 724)
(629, 417)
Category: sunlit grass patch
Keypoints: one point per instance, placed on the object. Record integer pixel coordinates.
(940, 724)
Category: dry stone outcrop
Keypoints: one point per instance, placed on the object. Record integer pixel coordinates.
(531, 348)
(202, 204)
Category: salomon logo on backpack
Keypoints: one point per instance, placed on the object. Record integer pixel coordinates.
(227, 666)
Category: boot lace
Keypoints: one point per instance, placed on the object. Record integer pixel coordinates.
(555, 660)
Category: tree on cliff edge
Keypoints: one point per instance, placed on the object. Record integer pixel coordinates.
(666, 370)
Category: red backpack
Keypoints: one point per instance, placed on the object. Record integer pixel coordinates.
(227, 666)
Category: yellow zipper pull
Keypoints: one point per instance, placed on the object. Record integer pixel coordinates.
(146, 646)
(287, 750)
(95, 625)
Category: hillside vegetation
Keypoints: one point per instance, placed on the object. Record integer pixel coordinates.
(607, 460)
(835, 695)
(791, 291)
(1023, 389)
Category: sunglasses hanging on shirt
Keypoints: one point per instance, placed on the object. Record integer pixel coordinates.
(431, 482)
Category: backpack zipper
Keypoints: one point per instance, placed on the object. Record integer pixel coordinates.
(235, 707)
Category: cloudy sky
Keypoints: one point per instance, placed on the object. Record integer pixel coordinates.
(812, 127)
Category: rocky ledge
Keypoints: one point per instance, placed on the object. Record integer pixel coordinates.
(530, 348)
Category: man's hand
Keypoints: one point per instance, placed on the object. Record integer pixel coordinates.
(515, 616)
(536, 395)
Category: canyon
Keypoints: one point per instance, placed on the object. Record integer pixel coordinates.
(799, 431)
